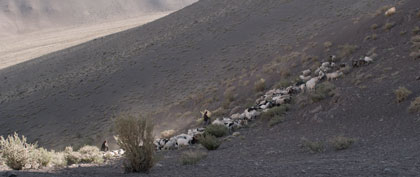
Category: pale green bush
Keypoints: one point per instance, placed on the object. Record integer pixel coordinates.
(210, 142)
(135, 136)
(91, 154)
(192, 157)
(71, 157)
(15, 151)
(41, 157)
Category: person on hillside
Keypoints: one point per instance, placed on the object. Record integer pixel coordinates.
(104, 146)
(206, 118)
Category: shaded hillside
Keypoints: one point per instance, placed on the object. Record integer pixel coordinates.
(363, 106)
(29, 15)
(186, 60)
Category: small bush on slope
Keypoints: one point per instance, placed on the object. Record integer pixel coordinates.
(135, 136)
(341, 143)
(192, 157)
(18, 154)
(15, 151)
(217, 130)
(322, 91)
(71, 157)
(415, 105)
(401, 94)
(210, 142)
(313, 146)
(91, 154)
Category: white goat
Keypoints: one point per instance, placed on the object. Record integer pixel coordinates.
(217, 122)
(306, 72)
(368, 59)
(312, 83)
(391, 11)
(334, 75)
(304, 78)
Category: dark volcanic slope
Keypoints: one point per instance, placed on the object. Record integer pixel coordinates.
(70, 95)
(363, 107)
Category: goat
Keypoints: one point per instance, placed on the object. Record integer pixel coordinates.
(334, 75)
(368, 60)
(312, 83)
(167, 134)
(304, 78)
(391, 11)
(306, 72)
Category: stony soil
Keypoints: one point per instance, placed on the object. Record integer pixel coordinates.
(363, 107)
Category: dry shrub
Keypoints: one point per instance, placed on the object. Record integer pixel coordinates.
(210, 142)
(72, 157)
(19, 154)
(192, 157)
(42, 157)
(58, 159)
(91, 154)
(15, 151)
(260, 85)
(276, 111)
(322, 91)
(346, 50)
(416, 30)
(389, 25)
(283, 84)
(217, 130)
(327, 44)
(135, 137)
(313, 146)
(374, 26)
(401, 94)
(415, 105)
(276, 120)
(341, 142)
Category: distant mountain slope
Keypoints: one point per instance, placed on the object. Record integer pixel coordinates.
(70, 96)
(17, 16)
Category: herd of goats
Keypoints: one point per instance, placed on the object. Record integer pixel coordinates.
(308, 80)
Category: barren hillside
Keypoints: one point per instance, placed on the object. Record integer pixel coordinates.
(212, 55)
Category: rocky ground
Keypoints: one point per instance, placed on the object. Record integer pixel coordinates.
(174, 67)
(362, 107)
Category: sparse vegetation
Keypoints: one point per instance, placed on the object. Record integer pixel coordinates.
(90, 154)
(282, 84)
(401, 94)
(276, 120)
(389, 25)
(374, 26)
(313, 146)
(346, 50)
(415, 105)
(341, 142)
(275, 111)
(15, 151)
(210, 142)
(217, 130)
(192, 157)
(19, 154)
(135, 136)
(415, 47)
(260, 85)
(416, 30)
(322, 91)
(72, 157)
(327, 44)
